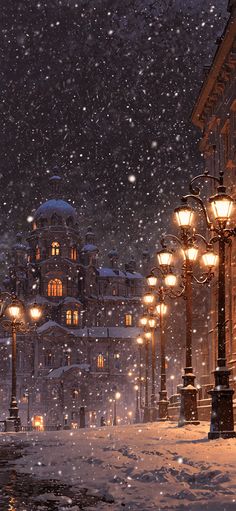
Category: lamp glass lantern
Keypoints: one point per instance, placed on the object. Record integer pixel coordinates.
(184, 215)
(35, 312)
(148, 299)
(152, 322)
(222, 205)
(170, 280)
(140, 341)
(143, 320)
(210, 259)
(14, 310)
(161, 309)
(151, 280)
(165, 257)
(191, 253)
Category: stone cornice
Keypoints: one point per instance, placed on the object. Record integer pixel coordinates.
(223, 64)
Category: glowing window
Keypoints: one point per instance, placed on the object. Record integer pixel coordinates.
(100, 361)
(37, 253)
(73, 253)
(68, 317)
(128, 320)
(55, 248)
(55, 287)
(75, 318)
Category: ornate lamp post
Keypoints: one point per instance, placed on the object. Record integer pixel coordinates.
(117, 397)
(15, 309)
(222, 420)
(140, 345)
(137, 414)
(147, 338)
(187, 242)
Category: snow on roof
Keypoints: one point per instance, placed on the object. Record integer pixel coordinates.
(58, 206)
(89, 247)
(120, 332)
(59, 371)
(110, 272)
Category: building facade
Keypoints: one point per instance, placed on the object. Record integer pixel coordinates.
(84, 349)
(215, 115)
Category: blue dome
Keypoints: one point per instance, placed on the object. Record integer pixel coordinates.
(55, 207)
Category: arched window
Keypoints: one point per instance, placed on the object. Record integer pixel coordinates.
(100, 361)
(73, 253)
(68, 317)
(128, 319)
(72, 317)
(55, 287)
(75, 318)
(37, 253)
(55, 248)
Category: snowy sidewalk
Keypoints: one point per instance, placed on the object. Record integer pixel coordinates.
(137, 467)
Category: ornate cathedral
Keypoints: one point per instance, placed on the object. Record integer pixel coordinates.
(84, 349)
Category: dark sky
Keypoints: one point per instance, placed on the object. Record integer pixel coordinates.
(103, 90)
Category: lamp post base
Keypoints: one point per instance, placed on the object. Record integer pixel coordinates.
(137, 416)
(163, 406)
(222, 417)
(188, 403)
(146, 414)
(153, 414)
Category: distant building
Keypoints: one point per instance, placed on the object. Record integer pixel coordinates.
(85, 346)
(215, 114)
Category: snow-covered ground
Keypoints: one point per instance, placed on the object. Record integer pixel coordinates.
(137, 467)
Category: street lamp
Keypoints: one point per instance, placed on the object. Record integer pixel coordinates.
(187, 242)
(222, 419)
(137, 415)
(14, 308)
(140, 345)
(117, 397)
(161, 310)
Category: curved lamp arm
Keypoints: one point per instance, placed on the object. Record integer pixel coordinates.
(205, 175)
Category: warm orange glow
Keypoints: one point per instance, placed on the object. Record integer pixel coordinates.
(191, 253)
(161, 309)
(148, 298)
(75, 317)
(37, 422)
(100, 361)
(222, 206)
(73, 253)
(68, 317)
(55, 248)
(143, 320)
(184, 215)
(140, 341)
(152, 322)
(170, 280)
(37, 254)
(164, 257)
(152, 280)
(35, 312)
(55, 287)
(128, 320)
(210, 259)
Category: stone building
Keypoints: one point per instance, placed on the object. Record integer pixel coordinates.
(84, 349)
(215, 114)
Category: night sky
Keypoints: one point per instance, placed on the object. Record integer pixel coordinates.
(103, 91)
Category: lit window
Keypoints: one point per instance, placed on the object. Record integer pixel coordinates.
(55, 248)
(114, 292)
(68, 317)
(100, 361)
(75, 318)
(73, 253)
(37, 253)
(75, 394)
(128, 320)
(55, 287)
